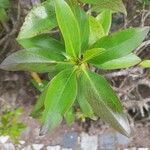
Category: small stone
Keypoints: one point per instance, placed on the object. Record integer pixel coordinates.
(143, 148)
(27, 148)
(4, 139)
(107, 141)
(9, 146)
(22, 142)
(37, 146)
(53, 148)
(132, 148)
(70, 140)
(122, 140)
(89, 142)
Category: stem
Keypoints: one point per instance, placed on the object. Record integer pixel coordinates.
(36, 77)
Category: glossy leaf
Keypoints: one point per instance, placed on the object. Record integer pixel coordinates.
(39, 20)
(43, 41)
(145, 64)
(36, 60)
(83, 21)
(89, 54)
(69, 28)
(114, 5)
(123, 62)
(104, 101)
(60, 96)
(96, 30)
(105, 19)
(119, 44)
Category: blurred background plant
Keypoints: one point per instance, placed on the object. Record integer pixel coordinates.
(4, 6)
(10, 124)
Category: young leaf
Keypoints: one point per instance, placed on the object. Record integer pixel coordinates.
(104, 101)
(83, 21)
(145, 64)
(60, 96)
(119, 44)
(123, 62)
(105, 19)
(36, 60)
(114, 5)
(96, 30)
(39, 20)
(43, 41)
(69, 28)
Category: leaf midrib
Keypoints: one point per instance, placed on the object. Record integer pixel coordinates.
(101, 100)
(61, 91)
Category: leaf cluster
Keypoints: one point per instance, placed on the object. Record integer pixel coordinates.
(9, 124)
(84, 41)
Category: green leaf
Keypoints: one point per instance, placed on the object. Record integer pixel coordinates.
(39, 105)
(52, 120)
(119, 44)
(104, 101)
(114, 5)
(43, 41)
(39, 20)
(58, 68)
(39, 86)
(83, 103)
(4, 4)
(123, 62)
(69, 28)
(96, 30)
(89, 54)
(83, 21)
(60, 96)
(36, 60)
(3, 15)
(70, 116)
(145, 64)
(105, 19)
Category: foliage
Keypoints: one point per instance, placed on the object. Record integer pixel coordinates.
(9, 124)
(145, 63)
(84, 42)
(4, 4)
(145, 1)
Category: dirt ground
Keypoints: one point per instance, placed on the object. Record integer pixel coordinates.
(132, 85)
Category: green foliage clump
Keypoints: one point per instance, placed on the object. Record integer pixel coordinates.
(84, 43)
(4, 5)
(9, 124)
